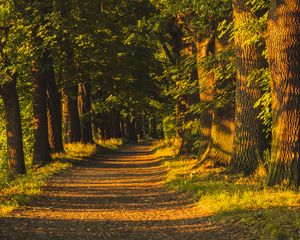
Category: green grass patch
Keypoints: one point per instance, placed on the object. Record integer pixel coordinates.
(18, 190)
(21, 189)
(110, 144)
(80, 149)
(268, 213)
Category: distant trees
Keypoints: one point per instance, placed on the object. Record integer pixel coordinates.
(82, 74)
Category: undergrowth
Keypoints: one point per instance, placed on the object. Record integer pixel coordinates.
(268, 213)
(18, 191)
(81, 149)
(110, 144)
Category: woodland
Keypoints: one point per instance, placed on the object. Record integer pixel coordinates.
(214, 82)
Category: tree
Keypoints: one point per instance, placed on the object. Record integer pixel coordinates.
(8, 92)
(283, 45)
(249, 140)
(14, 137)
(84, 110)
(41, 154)
(54, 107)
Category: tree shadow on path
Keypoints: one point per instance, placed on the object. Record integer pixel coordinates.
(114, 196)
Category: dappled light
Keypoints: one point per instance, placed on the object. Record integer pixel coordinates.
(123, 191)
(149, 119)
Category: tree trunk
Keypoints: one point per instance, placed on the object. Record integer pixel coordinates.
(204, 48)
(123, 130)
(222, 135)
(66, 118)
(182, 108)
(283, 46)
(249, 140)
(131, 129)
(71, 119)
(218, 127)
(54, 108)
(115, 121)
(153, 128)
(84, 109)
(14, 136)
(41, 155)
(140, 127)
(184, 104)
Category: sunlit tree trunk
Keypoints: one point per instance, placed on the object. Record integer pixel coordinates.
(204, 48)
(183, 101)
(283, 44)
(182, 106)
(249, 139)
(219, 129)
(54, 108)
(14, 137)
(222, 135)
(84, 109)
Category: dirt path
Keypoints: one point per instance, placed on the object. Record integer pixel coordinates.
(116, 196)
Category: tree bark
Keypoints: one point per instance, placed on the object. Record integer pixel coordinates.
(218, 122)
(204, 48)
(123, 129)
(182, 107)
(222, 135)
(140, 127)
(153, 128)
(283, 44)
(84, 110)
(115, 122)
(249, 140)
(54, 108)
(71, 119)
(15, 152)
(131, 129)
(41, 155)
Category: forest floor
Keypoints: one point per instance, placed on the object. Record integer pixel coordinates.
(119, 195)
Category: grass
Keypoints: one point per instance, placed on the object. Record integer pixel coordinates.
(21, 189)
(268, 213)
(18, 191)
(81, 149)
(110, 144)
(166, 148)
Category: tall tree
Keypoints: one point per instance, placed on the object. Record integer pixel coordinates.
(249, 140)
(84, 110)
(41, 154)
(283, 44)
(14, 137)
(8, 92)
(54, 107)
(221, 68)
(72, 129)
